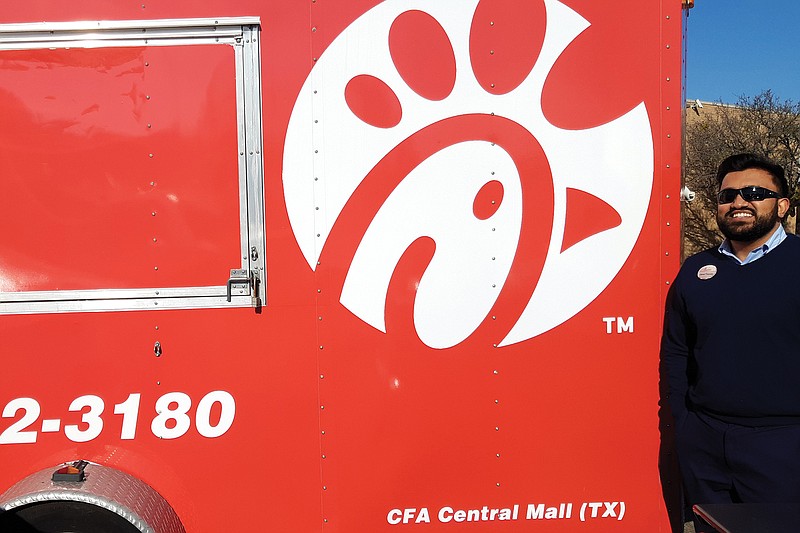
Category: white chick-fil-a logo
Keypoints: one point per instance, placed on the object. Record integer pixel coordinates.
(418, 149)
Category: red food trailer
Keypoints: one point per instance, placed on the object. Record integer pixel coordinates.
(336, 265)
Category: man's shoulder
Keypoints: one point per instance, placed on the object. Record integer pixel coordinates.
(709, 256)
(792, 240)
(699, 266)
(789, 249)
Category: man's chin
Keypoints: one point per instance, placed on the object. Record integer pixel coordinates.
(747, 233)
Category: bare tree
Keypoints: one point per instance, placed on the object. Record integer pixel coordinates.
(761, 124)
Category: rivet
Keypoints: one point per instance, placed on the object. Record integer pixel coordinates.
(668, 106)
(147, 97)
(319, 291)
(322, 407)
(321, 347)
(319, 318)
(668, 197)
(496, 428)
(667, 46)
(313, 59)
(494, 318)
(151, 156)
(497, 401)
(492, 85)
(153, 214)
(491, 23)
(155, 268)
(491, 52)
(497, 455)
(322, 376)
(494, 372)
(666, 253)
(314, 29)
(667, 79)
(668, 283)
(667, 165)
(668, 224)
(324, 487)
(149, 125)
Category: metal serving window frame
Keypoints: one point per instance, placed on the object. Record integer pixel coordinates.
(246, 286)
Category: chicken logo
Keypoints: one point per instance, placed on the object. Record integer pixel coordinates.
(419, 138)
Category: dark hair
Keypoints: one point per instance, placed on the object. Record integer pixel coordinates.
(739, 162)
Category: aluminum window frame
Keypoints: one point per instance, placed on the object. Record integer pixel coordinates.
(242, 33)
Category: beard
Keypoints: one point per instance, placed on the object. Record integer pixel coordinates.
(735, 231)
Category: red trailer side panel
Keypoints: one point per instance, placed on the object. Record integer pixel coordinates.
(470, 218)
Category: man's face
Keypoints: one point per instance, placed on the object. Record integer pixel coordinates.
(745, 221)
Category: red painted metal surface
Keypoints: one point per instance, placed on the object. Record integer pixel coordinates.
(343, 423)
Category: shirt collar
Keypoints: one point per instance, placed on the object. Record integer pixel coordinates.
(775, 239)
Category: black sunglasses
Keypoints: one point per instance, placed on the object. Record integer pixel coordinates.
(751, 193)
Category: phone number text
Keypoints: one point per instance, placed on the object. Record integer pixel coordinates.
(213, 417)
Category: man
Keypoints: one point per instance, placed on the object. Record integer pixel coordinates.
(731, 347)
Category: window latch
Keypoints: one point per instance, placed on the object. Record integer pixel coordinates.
(241, 279)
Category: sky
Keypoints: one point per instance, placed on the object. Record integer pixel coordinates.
(743, 47)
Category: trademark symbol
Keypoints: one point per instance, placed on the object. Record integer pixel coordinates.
(623, 325)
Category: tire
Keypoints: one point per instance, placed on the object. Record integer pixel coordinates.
(63, 517)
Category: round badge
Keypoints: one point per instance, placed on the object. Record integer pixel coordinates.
(707, 272)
